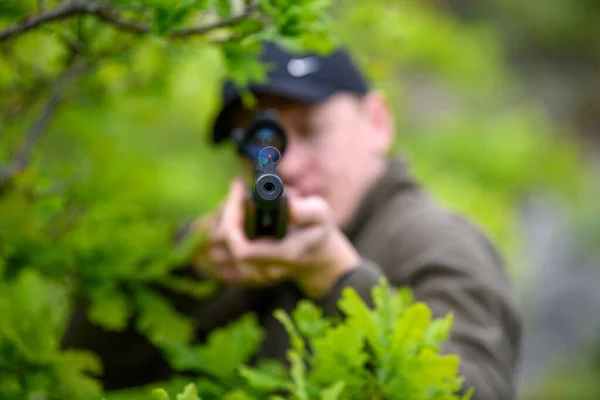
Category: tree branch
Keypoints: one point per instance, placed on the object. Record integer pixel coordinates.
(102, 11)
(67, 9)
(39, 127)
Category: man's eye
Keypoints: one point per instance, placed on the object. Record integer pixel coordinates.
(306, 130)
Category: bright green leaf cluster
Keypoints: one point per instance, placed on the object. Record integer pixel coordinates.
(31, 360)
(392, 351)
(93, 213)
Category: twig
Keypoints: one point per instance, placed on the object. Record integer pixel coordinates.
(39, 127)
(12, 111)
(199, 30)
(104, 12)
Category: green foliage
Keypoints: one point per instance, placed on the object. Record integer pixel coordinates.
(91, 215)
(224, 351)
(391, 351)
(189, 393)
(31, 361)
(125, 159)
(565, 26)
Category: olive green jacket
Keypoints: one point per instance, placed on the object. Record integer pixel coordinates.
(401, 233)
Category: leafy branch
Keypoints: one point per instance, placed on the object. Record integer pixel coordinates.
(391, 351)
(202, 29)
(106, 13)
(39, 127)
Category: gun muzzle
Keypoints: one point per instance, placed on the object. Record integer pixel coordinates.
(268, 187)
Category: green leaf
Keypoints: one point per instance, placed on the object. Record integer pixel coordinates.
(242, 63)
(298, 373)
(226, 349)
(223, 8)
(264, 381)
(333, 392)
(109, 308)
(169, 15)
(385, 311)
(189, 393)
(410, 327)
(39, 300)
(338, 355)
(239, 394)
(359, 316)
(468, 394)
(199, 290)
(162, 20)
(273, 368)
(431, 369)
(160, 322)
(72, 369)
(160, 394)
(438, 331)
(16, 8)
(309, 319)
(211, 388)
(296, 340)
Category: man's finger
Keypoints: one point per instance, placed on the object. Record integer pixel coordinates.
(243, 275)
(215, 237)
(308, 211)
(219, 255)
(289, 250)
(276, 272)
(210, 260)
(228, 273)
(202, 224)
(230, 231)
(234, 204)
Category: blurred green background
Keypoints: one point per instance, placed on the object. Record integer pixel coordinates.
(497, 108)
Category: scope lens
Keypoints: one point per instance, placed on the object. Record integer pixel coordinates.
(267, 137)
(262, 138)
(269, 154)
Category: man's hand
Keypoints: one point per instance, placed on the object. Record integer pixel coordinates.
(314, 253)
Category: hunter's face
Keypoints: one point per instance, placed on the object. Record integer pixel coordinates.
(333, 148)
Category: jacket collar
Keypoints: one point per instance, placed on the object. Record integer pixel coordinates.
(396, 177)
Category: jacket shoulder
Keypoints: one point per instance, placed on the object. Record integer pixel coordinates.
(412, 230)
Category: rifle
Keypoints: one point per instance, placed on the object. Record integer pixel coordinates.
(266, 207)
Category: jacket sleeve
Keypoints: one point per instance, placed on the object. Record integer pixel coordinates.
(452, 267)
(362, 279)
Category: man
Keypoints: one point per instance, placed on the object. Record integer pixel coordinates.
(355, 216)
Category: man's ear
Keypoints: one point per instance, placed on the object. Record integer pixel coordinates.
(380, 119)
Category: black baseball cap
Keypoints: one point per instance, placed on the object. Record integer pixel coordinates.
(306, 77)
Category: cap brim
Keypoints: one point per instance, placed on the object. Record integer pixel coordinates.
(294, 89)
